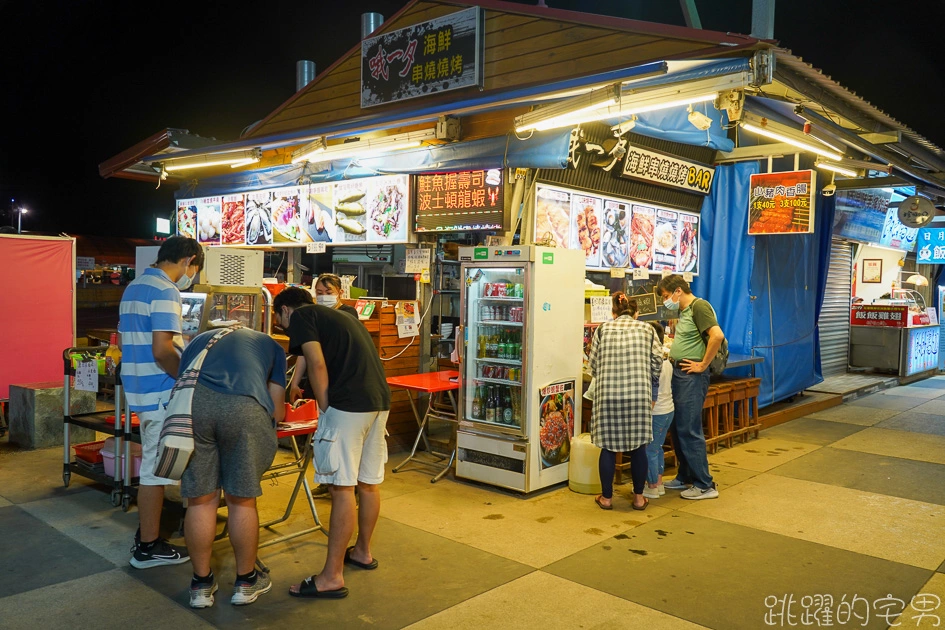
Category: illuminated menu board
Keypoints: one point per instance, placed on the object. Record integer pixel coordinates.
(456, 202)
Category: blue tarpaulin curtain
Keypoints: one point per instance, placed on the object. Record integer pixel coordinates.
(547, 149)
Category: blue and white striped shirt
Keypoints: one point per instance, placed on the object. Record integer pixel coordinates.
(150, 303)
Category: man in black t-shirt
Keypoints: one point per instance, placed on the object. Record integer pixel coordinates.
(350, 449)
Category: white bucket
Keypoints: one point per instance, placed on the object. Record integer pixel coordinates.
(583, 475)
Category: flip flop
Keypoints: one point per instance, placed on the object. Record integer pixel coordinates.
(367, 566)
(640, 508)
(601, 505)
(308, 590)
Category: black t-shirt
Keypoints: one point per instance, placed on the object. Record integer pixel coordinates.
(356, 380)
(350, 310)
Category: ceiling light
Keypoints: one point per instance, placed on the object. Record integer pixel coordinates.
(836, 168)
(571, 111)
(783, 137)
(369, 147)
(918, 280)
(204, 161)
(309, 151)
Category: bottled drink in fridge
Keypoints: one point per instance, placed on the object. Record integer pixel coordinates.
(112, 354)
(477, 404)
(507, 406)
(516, 406)
(490, 406)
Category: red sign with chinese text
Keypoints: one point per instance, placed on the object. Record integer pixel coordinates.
(453, 202)
(877, 315)
(781, 203)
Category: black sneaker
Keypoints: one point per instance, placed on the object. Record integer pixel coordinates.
(161, 553)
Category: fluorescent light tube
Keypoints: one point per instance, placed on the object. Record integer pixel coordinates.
(837, 168)
(243, 157)
(792, 141)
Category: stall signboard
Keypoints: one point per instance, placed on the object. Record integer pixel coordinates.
(435, 56)
(891, 316)
(365, 210)
(667, 170)
(617, 233)
(931, 243)
(460, 201)
(781, 203)
(868, 217)
(923, 347)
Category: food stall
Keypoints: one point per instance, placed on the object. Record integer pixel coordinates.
(895, 335)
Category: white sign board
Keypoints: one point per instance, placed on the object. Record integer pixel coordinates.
(86, 376)
(407, 330)
(618, 272)
(641, 274)
(84, 263)
(600, 309)
(315, 248)
(418, 260)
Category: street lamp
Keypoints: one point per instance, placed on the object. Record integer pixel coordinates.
(19, 219)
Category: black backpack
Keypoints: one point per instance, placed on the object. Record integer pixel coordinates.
(720, 361)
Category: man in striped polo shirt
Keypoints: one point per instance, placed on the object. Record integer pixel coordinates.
(150, 327)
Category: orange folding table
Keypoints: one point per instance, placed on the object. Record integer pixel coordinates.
(441, 406)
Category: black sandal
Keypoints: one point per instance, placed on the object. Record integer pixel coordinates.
(308, 590)
(367, 566)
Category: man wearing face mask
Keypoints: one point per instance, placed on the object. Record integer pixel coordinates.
(697, 340)
(150, 328)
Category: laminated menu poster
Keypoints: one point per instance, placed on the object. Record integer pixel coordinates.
(615, 234)
(187, 218)
(553, 215)
(781, 203)
(286, 218)
(233, 222)
(687, 255)
(665, 240)
(372, 209)
(365, 308)
(258, 218)
(209, 220)
(556, 422)
(585, 228)
(317, 215)
(642, 231)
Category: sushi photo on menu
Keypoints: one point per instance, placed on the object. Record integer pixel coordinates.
(284, 210)
(318, 217)
(350, 212)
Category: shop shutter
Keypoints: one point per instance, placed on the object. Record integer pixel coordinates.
(834, 322)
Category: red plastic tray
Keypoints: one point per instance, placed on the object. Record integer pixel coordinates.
(90, 452)
(134, 419)
(306, 411)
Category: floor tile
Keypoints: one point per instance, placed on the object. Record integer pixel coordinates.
(548, 526)
(861, 522)
(881, 401)
(918, 446)
(915, 422)
(936, 407)
(4, 502)
(930, 383)
(925, 612)
(915, 392)
(580, 607)
(811, 431)
(719, 574)
(762, 454)
(941, 569)
(36, 555)
(893, 476)
(35, 475)
(862, 416)
(110, 599)
(419, 575)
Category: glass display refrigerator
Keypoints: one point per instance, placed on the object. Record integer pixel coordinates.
(522, 310)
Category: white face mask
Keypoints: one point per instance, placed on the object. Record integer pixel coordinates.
(185, 281)
(327, 300)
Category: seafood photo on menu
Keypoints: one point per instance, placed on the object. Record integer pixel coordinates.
(615, 234)
(234, 220)
(688, 243)
(284, 210)
(187, 218)
(258, 219)
(318, 217)
(585, 232)
(552, 215)
(556, 423)
(209, 221)
(664, 240)
(386, 208)
(642, 228)
(350, 213)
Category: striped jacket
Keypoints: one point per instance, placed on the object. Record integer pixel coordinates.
(150, 303)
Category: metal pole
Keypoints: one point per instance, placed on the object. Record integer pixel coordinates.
(19, 221)
(762, 19)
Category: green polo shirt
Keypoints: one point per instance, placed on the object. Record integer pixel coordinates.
(694, 321)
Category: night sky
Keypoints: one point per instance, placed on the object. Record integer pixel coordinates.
(83, 81)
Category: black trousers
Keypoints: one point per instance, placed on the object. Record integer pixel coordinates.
(607, 466)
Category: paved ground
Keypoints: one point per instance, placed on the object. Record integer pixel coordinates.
(837, 518)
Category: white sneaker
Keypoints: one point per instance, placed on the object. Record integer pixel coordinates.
(662, 489)
(651, 493)
(675, 484)
(201, 596)
(695, 493)
(244, 593)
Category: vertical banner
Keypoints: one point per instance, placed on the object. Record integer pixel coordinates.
(556, 422)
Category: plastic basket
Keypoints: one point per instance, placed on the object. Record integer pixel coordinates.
(108, 459)
(306, 411)
(90, 452)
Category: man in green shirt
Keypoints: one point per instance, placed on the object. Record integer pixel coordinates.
(698, 338)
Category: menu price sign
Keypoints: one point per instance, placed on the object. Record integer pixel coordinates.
(418, 260)
(460, 201)
(435, 56)
(86, 376)
(621, 234)
(600, 309)
(781, 203)
(879, 315)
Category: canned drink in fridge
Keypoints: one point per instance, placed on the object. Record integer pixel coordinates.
(487, 371)
(486, 289)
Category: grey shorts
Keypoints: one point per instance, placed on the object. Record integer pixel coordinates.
(234, 444)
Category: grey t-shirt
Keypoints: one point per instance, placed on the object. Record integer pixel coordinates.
(242, 363)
